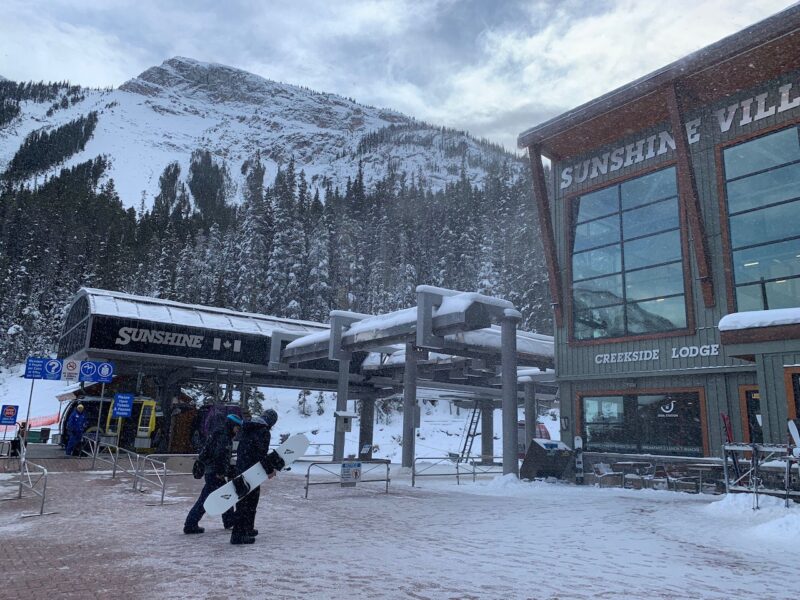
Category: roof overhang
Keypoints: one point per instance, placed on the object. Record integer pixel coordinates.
(758, 53)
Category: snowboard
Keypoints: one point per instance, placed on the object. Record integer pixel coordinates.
(226, 497)
(578, 446)
(796, 437)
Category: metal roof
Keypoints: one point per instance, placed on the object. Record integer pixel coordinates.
(119, 304)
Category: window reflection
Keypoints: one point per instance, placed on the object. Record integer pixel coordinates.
(665, 424)
(627, 266)
(763, 194)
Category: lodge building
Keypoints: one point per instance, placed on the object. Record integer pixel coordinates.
(671, 225)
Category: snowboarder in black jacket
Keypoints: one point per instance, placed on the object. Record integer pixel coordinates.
(253, 448)
(216, 456)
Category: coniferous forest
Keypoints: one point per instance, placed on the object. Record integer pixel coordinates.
(274, 246)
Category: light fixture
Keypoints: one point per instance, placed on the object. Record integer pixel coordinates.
(564, 423)
(751, 264)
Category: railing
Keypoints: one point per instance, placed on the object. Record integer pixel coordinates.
(764, 463)
(156, 475)
(483, 468)
(476, 467)
(31, 481)
(27, 480)
(130, 463)
(416, 471)
(326, 468)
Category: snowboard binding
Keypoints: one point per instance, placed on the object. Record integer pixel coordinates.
(241, 486)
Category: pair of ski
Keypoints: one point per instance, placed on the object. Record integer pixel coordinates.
(237, 488)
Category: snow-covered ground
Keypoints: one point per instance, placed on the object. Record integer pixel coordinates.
(498, 538)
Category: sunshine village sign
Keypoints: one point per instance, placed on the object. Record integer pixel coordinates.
(746, 111)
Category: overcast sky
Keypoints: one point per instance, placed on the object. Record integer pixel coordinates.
(491, 67)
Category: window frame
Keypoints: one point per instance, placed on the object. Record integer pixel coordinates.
(570, 222)
(722, 197)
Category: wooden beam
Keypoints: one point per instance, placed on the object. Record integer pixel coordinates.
(546, 230)
(687, 189)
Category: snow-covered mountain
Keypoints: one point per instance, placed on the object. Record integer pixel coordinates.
(183, 105)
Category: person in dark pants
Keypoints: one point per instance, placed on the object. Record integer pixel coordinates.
(253, 448)
(76, 425)
(216, 456)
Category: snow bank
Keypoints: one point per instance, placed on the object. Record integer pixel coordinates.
(773, 522)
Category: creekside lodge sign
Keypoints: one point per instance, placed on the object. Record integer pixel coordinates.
(655, 354)
(746, 111)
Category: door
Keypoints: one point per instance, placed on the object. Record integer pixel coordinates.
(750, 411)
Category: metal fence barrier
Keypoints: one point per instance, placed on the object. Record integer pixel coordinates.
(495, 467)
(151, 471)
(416, 471)
(769, 469)
(32, 481)
(139, 466)
(475, 468)
(325, 467)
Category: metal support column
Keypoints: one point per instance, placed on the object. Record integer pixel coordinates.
(531, 416)
(508, 357)
(487, 432)
(366, 427)
(409, 405)
(341, 405)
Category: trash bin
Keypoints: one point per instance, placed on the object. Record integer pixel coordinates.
(547, 458)
(44, 435)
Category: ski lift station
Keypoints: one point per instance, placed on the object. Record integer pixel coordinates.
(673, 250)
(459, 346)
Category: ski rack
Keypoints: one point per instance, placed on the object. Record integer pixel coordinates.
(763, 460)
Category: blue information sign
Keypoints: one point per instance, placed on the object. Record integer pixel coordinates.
(105, 372)
(8, 414)
(93, 371)
(52, 369)
(123, 405)
(43, 368)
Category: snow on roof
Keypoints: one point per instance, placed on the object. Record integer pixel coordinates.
(527, 343)
(118, 304)
(311, 339)
(384, 322)
(760, 318)
(453, 302)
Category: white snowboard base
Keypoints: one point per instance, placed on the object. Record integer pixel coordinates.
(226, 497)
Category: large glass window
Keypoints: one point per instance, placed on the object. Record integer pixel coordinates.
(666, 424)
(627, 263)
(763, 192)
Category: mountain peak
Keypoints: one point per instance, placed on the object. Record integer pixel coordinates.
(220, 83)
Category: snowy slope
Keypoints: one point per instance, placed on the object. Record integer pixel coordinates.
(183, 105)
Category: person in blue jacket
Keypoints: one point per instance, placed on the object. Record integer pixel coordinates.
(253, 449)
(76, 425)
(216, 456)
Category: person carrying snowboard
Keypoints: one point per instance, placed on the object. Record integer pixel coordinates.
(216, 457)
(76, 425)
(253, 448)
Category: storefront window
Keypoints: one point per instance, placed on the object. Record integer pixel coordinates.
(665, 424)
(627, 263)
(763, 193)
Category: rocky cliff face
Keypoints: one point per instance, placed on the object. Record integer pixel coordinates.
(182, 105)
